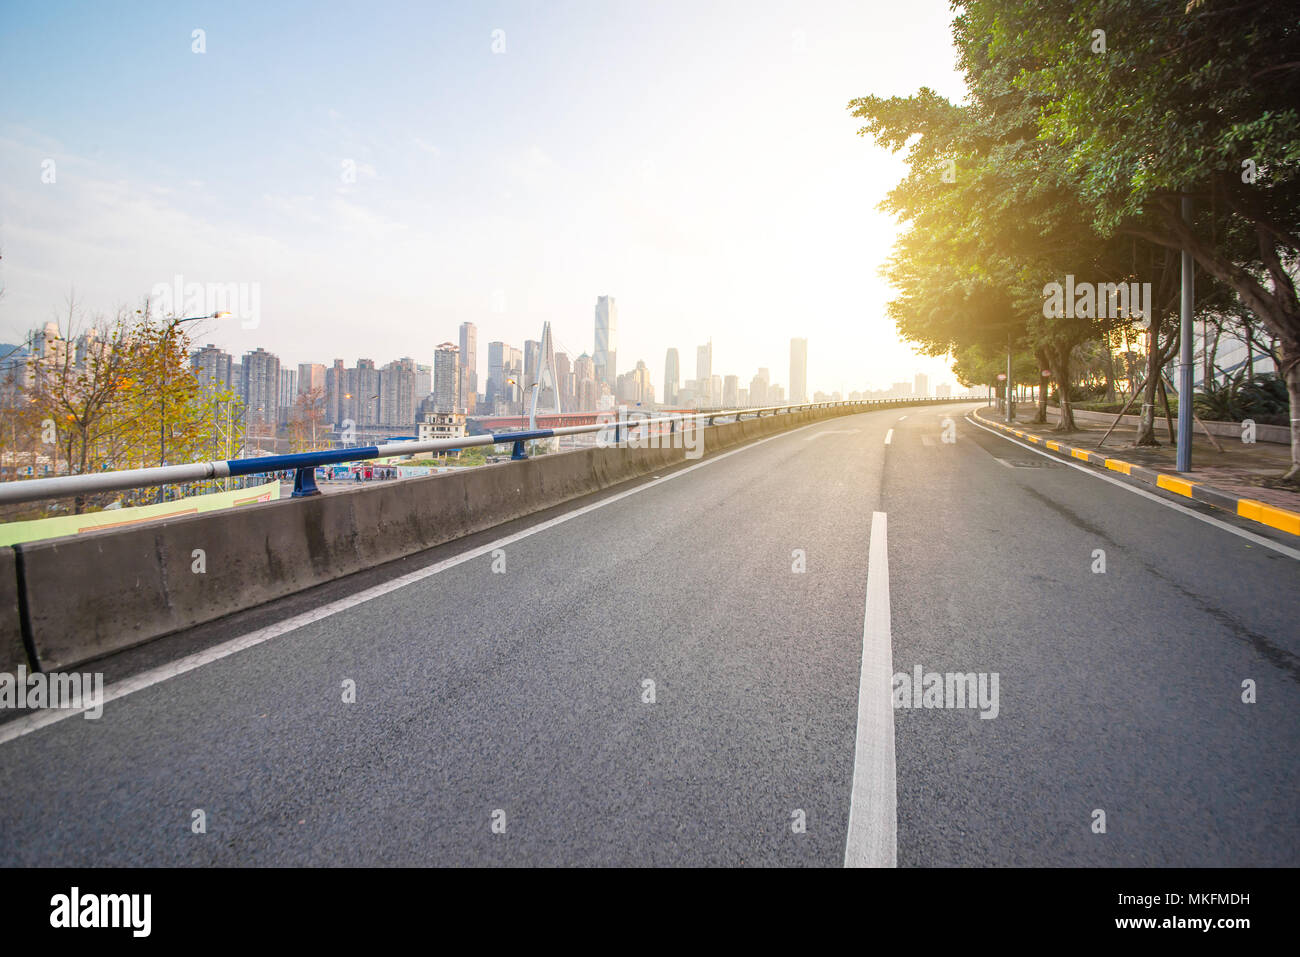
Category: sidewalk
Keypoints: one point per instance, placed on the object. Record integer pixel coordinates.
(1231, 477)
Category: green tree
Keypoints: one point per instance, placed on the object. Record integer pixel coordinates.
(1156, 101)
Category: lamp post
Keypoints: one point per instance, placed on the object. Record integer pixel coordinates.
(1187, 307)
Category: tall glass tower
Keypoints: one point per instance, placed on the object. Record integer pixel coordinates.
(606, 352)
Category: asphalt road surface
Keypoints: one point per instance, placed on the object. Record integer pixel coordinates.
(504, 712)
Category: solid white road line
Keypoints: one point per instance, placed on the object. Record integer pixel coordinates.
(873, 811)
(889, 436)
(145, 679)
(1239, 532)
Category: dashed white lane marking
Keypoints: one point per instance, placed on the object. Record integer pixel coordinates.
(873, 811)
(889, 437)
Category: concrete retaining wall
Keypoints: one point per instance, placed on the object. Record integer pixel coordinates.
(101, 592)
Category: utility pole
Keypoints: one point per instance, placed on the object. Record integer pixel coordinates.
(1184, 463)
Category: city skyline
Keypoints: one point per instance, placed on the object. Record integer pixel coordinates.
(380, 206)
(707, 389)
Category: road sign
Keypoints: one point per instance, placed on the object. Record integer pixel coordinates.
(1002, 377)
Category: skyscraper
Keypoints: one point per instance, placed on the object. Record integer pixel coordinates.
(606, 352)
(672, 376)
(704, 362)
(497, 356)
(921, 384)
(731, 391)
(798, 371)
(469, 356)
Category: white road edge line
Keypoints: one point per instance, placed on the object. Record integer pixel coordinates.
(889, 436)
(18, 727)
(873, 812)
(1181, 509)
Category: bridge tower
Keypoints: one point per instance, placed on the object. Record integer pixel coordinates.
(546, 390)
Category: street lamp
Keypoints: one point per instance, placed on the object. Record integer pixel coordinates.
(348, 395)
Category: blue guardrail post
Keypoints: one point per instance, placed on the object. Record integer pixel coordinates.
(304, 482)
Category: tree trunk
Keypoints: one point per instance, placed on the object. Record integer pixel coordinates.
(1043, 363)
(1147, 423)
(1110, 369)
(1250, 356)
(1169, 418)
(1292, 376)
(1061, 373)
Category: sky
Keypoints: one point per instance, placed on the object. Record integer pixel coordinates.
(375, 174)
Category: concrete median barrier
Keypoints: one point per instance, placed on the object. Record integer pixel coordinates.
(102, 592)
(12, 653)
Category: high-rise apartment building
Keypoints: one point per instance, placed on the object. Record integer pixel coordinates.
(564, 378)
(586, 391)
(798, 370)
(921, 384)
(212, 368)
(399, 394)
(311, 378)
(446, 377)
(261, 387)
(361, 403)
(336, 384)
(606, 352)
(423, 381)
(635, 387)
(758, 388)
(288, 392)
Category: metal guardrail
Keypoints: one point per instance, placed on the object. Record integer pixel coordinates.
(305, 463)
